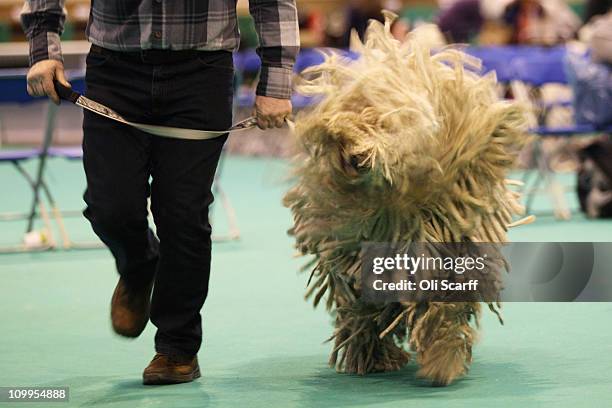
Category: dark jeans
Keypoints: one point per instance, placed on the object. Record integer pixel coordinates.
(193, 92)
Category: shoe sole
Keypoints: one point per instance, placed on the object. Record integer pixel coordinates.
(131, 334)
(162, 379)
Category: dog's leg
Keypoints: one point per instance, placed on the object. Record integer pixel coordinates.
(442, 336)
(358, 348)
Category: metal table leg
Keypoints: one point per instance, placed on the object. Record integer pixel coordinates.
(48, 138)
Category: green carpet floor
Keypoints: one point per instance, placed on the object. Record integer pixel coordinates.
(264, 346)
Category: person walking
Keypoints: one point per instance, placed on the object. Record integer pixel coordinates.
(164, 63)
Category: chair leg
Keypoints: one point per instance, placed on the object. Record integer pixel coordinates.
(44, 214)
(57, 215)
(234, 231)
(48, 137)
(554, 188)
(33, 240)
(232, 220)
(531, 189)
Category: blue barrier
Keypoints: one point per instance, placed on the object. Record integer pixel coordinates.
(532, 65)
(14, 89)
(248, 61)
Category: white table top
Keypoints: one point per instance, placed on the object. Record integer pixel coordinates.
(16, 54)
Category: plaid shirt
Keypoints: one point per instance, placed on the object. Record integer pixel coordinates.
(131, 25)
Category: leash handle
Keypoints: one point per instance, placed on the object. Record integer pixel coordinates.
(251, 122)
(247, 123)
(66, 93)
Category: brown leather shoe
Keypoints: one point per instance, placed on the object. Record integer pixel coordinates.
(164, 369)
(130, 309)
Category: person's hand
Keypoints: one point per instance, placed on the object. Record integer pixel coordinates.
(40, 79)
(271, 112)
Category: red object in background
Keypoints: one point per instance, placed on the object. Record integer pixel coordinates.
(529, 12)
(316, 21)
(312, 28)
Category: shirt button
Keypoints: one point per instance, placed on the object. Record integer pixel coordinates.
(157, 34)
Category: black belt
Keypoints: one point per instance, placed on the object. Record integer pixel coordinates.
(156, 56)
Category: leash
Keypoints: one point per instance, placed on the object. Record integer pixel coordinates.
(70, 95)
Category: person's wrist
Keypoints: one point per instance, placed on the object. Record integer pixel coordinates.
(275, 82)
(45, 46)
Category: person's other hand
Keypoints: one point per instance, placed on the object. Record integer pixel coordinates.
(271, 112)
(40, 79)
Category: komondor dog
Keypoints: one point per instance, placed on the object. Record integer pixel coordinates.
(406, 145)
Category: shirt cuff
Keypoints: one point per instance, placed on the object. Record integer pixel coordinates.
(44, 46)
(275, 82)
